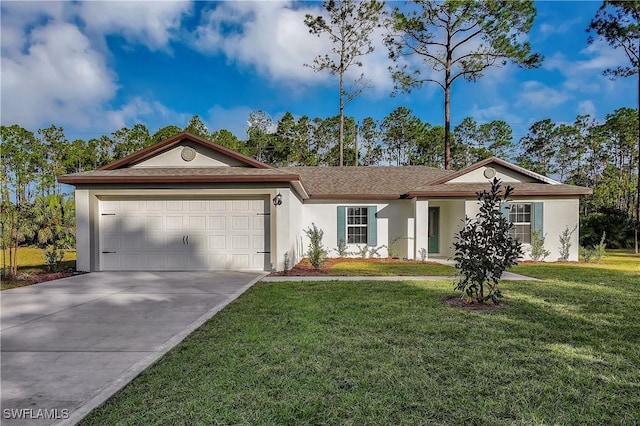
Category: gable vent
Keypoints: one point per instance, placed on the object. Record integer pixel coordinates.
(188, 153)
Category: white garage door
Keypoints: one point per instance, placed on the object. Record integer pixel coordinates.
(177, 234)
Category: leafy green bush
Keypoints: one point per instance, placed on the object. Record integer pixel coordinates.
(484, 249)
(53, 258)
(538, 251)
(317, 254)
(596, 253)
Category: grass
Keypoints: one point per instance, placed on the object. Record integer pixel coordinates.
(354, 267)
(31, 262)
(564, 350)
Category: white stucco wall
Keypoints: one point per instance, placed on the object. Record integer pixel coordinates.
(558, 213)
(394, 220)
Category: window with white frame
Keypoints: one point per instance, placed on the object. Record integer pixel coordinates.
(520, 217)
(357, 224)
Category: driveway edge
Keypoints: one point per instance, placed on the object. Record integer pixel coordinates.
(134, 371)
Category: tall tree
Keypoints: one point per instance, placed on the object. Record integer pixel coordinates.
(369, 136)
(539, 148)
(350, 26)
(400, 131)
(129, 140)
(260, 135)
(458, 39)
(617, 22)
(197, 127)
(165, 132)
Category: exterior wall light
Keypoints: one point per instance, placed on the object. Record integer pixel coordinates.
(277, 200)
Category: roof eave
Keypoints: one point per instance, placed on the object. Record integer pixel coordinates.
(75, 180)
(516, 192)
(355, 196)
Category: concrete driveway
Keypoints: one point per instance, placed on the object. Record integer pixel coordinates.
(67, 345)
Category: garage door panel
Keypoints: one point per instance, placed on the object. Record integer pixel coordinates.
(240, 205)
(110, 223)
(175, 206)
(197, 206)
(197, 223)
(217, 223)
(152, 234)
(241, 261)
(132, 206)
(132, 262)
(154, 205)
(153, 223)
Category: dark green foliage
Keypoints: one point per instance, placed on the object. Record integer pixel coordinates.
(617, 225)
(484, 249)
(316, 254)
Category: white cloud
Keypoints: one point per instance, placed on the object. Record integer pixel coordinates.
(272, 38)
(540, 96)
(53, 72)
(587, 108)
(58, 78)
(152, 23)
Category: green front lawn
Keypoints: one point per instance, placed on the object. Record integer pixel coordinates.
(357, 267)
(562, 351)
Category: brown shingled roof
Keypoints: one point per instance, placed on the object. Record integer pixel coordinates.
(363, 181)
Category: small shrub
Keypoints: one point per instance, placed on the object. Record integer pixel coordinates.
(484, 248)
(363, 251)
(600, 250)
(394, 252)
(594, 254)
(565, 243)
(342, 248)
(538, 251)
(586, 254)
(423, 254)
(317, 254)
(375, 251)
(53, 258)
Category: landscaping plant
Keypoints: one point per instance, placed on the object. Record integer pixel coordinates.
(342, 248)
(317, 253)
(538, 251)
(484, 248)
(565, 243)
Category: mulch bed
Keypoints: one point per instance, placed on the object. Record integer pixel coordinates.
(460, 303)
(305, 269)
(40, 277)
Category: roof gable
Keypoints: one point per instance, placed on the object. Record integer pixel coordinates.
(503, 170)
(168, 153)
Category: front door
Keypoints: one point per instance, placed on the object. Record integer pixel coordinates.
(434, 229)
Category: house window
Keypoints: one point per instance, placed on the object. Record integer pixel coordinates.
(357, 224)
(520, 217)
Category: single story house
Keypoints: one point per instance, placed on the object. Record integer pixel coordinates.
(188, 204)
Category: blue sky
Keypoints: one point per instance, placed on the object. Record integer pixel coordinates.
(95, 67)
